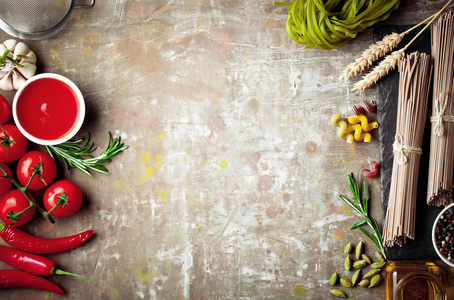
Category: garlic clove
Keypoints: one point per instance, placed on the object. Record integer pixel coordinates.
(18, 80)
(2, 49)
(13, 75)
(27, 70)
(10, 44)
(31, 58)
(4, 74)
(6, 83)
(21, 49)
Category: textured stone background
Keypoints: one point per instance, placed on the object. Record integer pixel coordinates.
(230, 187)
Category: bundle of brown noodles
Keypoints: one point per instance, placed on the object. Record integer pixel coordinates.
(414, 79)
(441, 163)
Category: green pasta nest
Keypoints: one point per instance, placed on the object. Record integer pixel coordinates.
(331, 24)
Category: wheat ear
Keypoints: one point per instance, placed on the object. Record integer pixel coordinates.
(372, 54)
(381, 48)
(383, 68)
(390, 61)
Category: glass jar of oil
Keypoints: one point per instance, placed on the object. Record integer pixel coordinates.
(414, 280)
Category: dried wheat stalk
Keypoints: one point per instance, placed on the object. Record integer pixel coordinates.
(379, 49)
(386, 65)
(372, 54)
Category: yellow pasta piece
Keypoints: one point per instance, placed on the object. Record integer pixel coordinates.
(366, 127)
(344, 130)
(358, 135)
(335, 119)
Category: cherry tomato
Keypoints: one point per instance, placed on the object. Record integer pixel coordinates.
(13, 145)
(71, 198)
(5, 183)
(15, 201)
(5, 110)
(36, 160)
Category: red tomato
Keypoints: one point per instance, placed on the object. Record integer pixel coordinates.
(5, 110)
(28, 162)
(5, 183)
(13, 145)
(71, 198)
(15, 201)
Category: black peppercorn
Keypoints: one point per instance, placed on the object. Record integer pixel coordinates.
(444, 233)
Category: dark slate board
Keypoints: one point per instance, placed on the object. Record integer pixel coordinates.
(386, 97)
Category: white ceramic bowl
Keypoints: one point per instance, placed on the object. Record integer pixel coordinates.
(434, 240)
(80, 102)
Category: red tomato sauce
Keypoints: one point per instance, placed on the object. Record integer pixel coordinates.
(48, 109)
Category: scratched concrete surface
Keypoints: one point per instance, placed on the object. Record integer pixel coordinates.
(230, 186)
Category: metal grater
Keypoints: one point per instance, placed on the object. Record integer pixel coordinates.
(37, 19)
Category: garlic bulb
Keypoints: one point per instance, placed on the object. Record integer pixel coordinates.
(17, 64)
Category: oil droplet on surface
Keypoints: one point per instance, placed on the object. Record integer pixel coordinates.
(143, 277)
(160, 137)
(271, 212)
(115, 294)
(223, 164)
(158, 162)
(150, 172)
(164, 194)
(146, 157)
(56, 56)
(299, 290)
(286, 197)
(338, 233)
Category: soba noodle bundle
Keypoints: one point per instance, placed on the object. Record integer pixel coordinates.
(414, 80)
(441, 163)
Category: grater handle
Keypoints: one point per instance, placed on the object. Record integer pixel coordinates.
(77, 4)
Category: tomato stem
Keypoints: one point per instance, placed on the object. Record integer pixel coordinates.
(14, 216)
(30, 200)
(13, 181)
(62, 200)
(6, 141)
(37, 170)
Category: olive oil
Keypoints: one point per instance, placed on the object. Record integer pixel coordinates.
(413, 280)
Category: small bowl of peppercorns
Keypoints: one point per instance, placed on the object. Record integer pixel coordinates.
(443, 235)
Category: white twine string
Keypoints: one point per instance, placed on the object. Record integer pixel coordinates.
(439, 111)
(399, 149)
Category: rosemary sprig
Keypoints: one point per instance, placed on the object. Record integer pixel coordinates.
(360, 205)
(74, 155)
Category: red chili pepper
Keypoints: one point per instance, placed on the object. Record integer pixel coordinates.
(21, 279)
(31, 263)
(33, 244)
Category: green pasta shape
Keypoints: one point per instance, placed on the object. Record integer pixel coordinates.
(331, 24)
